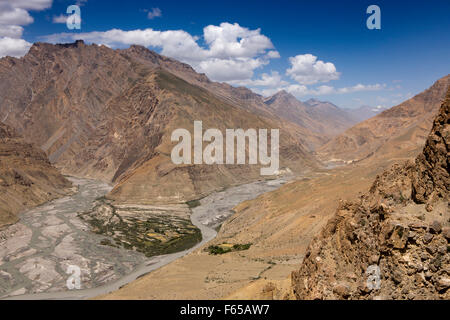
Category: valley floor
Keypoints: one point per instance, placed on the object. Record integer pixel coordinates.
(279, 224)
(272, 232)
(37, 251)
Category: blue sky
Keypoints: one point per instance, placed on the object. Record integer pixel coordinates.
(320, 49)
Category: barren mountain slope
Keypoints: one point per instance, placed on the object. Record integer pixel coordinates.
(395, 133)
(401, 226)
(106, 114)
(308, 133)
(279, 224)
(27, 178)
(154, 177)
(323, 119)
(56, 95)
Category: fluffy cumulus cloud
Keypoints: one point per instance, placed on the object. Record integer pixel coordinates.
(230, 52)
(13, 47)
(13, 16)
(297, 90)
(230, 70)
(29, 4)
(10, 15)
(11, 31)
(306, 69)
(271, 81)
(233, 41)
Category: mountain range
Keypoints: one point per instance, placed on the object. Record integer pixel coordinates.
(108, 114)
(399, 132)
(281, 225)
(95, 112)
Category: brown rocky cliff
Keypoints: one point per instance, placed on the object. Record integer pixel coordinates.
(401, 226)
(432, 176)
(27, 178)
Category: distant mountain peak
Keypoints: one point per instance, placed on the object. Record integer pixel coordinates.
(283, 93)
(388, 129)
(312, 101)
(281, 96)
(320, 104)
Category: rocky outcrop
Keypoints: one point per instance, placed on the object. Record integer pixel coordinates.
(431, 176)
(27, 178)
(394, 242)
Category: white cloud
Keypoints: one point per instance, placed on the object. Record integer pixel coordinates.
(13, 15)
(272, 80)
(63, 18)
(273, 54)
(230, 69)
(306, 69)
(232, 40)
(11, 31)
(231, 52)
(174, 43)
(154, 13)
(362, 87)
(10, 15)
(60, 19)
(323, 90)
(28, 4)
(13, 47)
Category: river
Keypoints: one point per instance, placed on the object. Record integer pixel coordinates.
(36, 252)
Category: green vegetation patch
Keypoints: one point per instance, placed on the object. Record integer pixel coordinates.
(150, 234)
(226, 247)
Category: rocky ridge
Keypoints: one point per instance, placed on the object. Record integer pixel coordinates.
(400, 229)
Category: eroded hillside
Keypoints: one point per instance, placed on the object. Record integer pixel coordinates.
(399, 132)
(109, 114)
(400, 227)
(27, 178)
